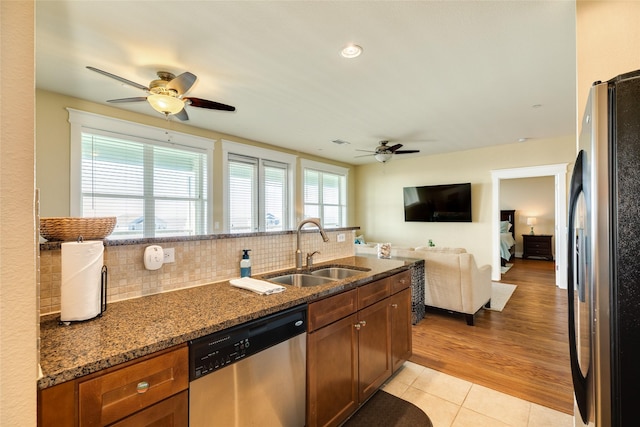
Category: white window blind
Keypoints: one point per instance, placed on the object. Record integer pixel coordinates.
(258, 194)
(153, 189)
(325, 196)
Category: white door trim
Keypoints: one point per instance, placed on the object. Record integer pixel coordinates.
(559, 172)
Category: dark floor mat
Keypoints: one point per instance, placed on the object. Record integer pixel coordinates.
(386, 410)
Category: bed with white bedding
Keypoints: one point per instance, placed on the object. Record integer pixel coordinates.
(507, 236)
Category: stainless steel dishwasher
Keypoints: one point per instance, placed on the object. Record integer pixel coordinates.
(253, 374)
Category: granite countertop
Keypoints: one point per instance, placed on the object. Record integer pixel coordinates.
(134, 328)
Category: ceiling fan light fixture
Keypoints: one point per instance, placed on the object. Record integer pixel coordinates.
(165, 104)
(383, 157)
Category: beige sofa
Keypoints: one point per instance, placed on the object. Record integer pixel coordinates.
(453, 281)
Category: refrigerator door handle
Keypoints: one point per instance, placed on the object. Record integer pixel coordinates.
(579, 381)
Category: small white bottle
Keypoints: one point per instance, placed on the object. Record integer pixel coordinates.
(245, 264)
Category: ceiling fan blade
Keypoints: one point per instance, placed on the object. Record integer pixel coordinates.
(182, 115)
(182, 83)
(406, 151)
(136, 99)
(393, 148)
(365, 155)
(211, 105)
(120, 79)
(366, 151)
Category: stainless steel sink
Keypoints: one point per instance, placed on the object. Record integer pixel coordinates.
(336, 273)
(301, 280)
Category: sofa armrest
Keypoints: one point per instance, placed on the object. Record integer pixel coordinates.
(476, 284)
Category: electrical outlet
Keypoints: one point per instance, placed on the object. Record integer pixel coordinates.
(340, 237)
(169, 255)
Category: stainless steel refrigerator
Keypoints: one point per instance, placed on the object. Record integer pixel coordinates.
(604, 257)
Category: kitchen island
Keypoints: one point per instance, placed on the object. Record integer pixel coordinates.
(139, 327)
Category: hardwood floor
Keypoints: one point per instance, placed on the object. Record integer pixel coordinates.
(522, 351)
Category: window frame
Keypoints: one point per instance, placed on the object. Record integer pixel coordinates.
(82, 121)
(232, 147)
(325, 168)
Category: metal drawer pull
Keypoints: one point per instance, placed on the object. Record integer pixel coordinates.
(363, 323)
(394, 305)
(357, 326)
(142, 387)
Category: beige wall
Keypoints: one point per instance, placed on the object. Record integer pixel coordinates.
(608, 42)
(18, 330)
(530, 197)
(52, 148)
(379, 201)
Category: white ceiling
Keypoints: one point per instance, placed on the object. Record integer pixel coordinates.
(437, 76)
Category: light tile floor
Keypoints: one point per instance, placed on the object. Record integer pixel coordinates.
(452, 402)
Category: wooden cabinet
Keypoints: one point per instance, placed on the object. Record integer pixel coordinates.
(354, 349)
(374, 348)
(537, 245)
(401, 341)
(148, 391)
(332, 373)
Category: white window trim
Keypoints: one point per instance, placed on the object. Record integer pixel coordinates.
(326, 167)
(80, 120)
(262, 153)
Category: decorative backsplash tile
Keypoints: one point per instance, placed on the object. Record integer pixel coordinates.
(198, 262)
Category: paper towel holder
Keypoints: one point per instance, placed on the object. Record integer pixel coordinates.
(153, 257)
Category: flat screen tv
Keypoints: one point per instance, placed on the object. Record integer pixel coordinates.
(438, 203)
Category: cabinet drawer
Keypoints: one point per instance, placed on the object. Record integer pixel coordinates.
(330, 309)
(400, 281)
(115, 395)
(172, 412)
(373, 292)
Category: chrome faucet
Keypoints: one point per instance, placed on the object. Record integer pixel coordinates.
(316, 222)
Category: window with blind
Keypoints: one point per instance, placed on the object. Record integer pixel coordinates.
(258, 194)
(154, 188)
(325, 193)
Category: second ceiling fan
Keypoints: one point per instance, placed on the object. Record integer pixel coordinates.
(166, 94)
(384, 152)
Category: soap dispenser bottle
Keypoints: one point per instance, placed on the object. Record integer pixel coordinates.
(245, 264)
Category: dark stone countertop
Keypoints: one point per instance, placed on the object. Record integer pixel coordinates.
(138, 327)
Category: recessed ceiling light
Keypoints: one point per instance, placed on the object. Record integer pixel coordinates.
(351, 51)
(522, 139)
(340, 141)
(536, 106)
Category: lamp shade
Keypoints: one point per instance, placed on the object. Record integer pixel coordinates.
(531, 220)
(165, 104)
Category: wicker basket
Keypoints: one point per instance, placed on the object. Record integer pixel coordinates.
(67, 228)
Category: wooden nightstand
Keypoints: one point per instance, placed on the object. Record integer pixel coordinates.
(537, 245)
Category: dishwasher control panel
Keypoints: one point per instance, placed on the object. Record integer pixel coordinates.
(220, 349)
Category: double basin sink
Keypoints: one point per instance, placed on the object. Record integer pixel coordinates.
(317, 277)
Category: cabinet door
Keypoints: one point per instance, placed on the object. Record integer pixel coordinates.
(400, 304)
(374, 348)
(332, 356)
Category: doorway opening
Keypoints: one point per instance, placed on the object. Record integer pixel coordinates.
(559, 172)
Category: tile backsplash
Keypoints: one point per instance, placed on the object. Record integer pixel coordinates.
(197, 262)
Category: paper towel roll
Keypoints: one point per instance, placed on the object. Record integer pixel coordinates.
(81, 288)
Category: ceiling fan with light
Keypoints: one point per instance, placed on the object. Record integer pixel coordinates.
(166, 94)
(384, 153)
